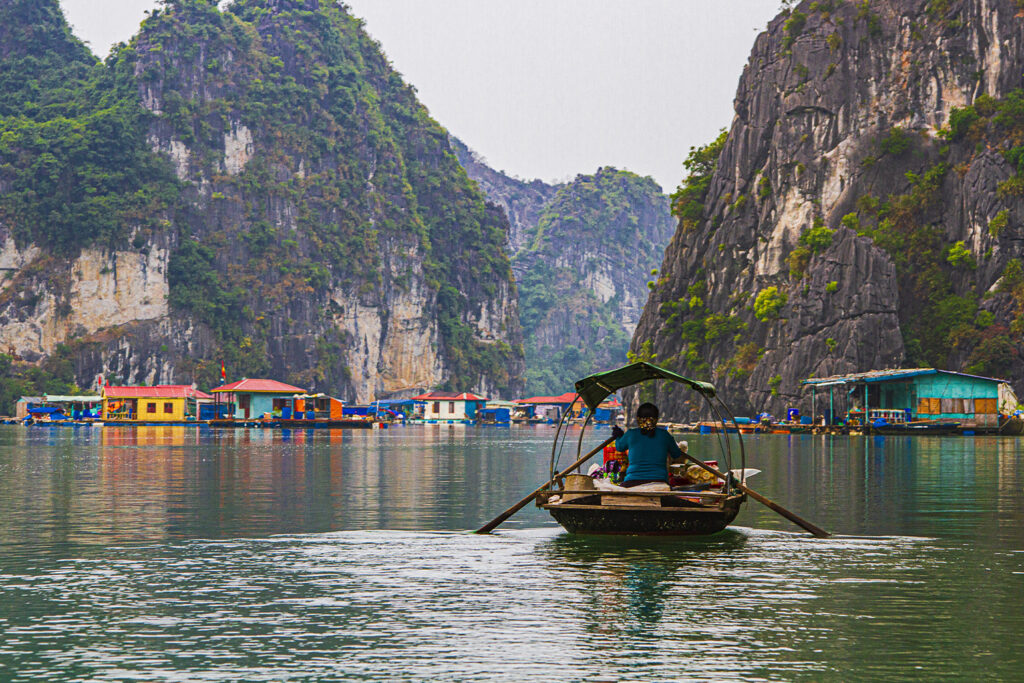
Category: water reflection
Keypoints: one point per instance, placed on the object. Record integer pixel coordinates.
(67, 490)
(158, 554)
(932, 486)
(628, 580)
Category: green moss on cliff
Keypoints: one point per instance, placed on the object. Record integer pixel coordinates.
(56, 376)
(941, 322)
(688, 199)
(339, 184)
(73, 152)
(607, 228)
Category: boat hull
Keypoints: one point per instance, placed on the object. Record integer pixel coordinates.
(1011, 426)
(318, 423)
(910, 429)
(643, 520)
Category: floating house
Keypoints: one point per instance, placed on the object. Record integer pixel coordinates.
(252, 399)
(162, 403)
(450, 407)
(911, 394)
(399, 408)
(497, 412)
(312, 407)
(76, 407)
(609, 411)
(25, 404)
(58, 407)
(551, 408)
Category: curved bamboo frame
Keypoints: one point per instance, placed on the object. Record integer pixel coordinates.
(724, 440)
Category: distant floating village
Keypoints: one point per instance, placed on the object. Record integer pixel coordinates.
(274, 404)
(901, 401)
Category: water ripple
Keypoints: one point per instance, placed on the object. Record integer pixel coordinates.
(412, 605)
(246, 557)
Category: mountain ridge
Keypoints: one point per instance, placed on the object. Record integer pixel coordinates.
(582, 252)
(312, 221)
(844, 222)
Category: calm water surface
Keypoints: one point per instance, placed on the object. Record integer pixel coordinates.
(168, 553)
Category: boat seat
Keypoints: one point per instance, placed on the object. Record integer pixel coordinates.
(638, 500)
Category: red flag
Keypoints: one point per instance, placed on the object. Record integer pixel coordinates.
(223, 373)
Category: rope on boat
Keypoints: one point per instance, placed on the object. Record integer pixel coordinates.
(739, 437)
(717, 406)
(556, 449)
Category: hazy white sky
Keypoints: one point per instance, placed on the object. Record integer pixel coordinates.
(548, 88)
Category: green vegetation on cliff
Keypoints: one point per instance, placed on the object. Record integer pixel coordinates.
(693, 327)
(688, 199)
(41, 64)
(310, 182)
(73, 153)
(944, 326)
(600, 233)
(340, 137)
(56, 377)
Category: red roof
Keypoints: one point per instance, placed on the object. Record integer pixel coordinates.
(550, 400)
(158, 391)
(259, 386)
(447, 396)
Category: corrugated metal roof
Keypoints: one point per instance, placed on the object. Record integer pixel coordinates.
(72, 399)
(886, 376)
(159, 391)
(448, 396)
(258, 386)
(567, 397)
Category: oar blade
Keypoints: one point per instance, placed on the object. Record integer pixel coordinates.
(772, 505)
(494, 523)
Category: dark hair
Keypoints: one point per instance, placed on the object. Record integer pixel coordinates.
(647, 410)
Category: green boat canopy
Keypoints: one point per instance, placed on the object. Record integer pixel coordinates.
(597, 388)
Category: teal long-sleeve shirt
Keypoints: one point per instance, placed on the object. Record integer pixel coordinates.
(648, 454)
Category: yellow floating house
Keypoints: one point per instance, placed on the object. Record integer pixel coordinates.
(163, 403)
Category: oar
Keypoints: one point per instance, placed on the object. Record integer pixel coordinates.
(799, 521)
(490, 526)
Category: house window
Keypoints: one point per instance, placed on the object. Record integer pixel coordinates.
(150, 407)
(451, 407)
(168, 407)
(437, 408)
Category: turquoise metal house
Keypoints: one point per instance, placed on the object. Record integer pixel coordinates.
(911, 395)
(254, 399)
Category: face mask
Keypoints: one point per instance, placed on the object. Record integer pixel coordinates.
(647, 424)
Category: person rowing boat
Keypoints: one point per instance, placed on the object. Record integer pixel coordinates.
(651, 448)
(576, 503)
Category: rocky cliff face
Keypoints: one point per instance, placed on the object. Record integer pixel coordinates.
(312, 224)
(864, 210)
(583, 275)
(582, 254)
(523, 201)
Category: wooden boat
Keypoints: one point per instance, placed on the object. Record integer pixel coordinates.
(922, 428)
(670, 513)
(790, 428)
(681, 512)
